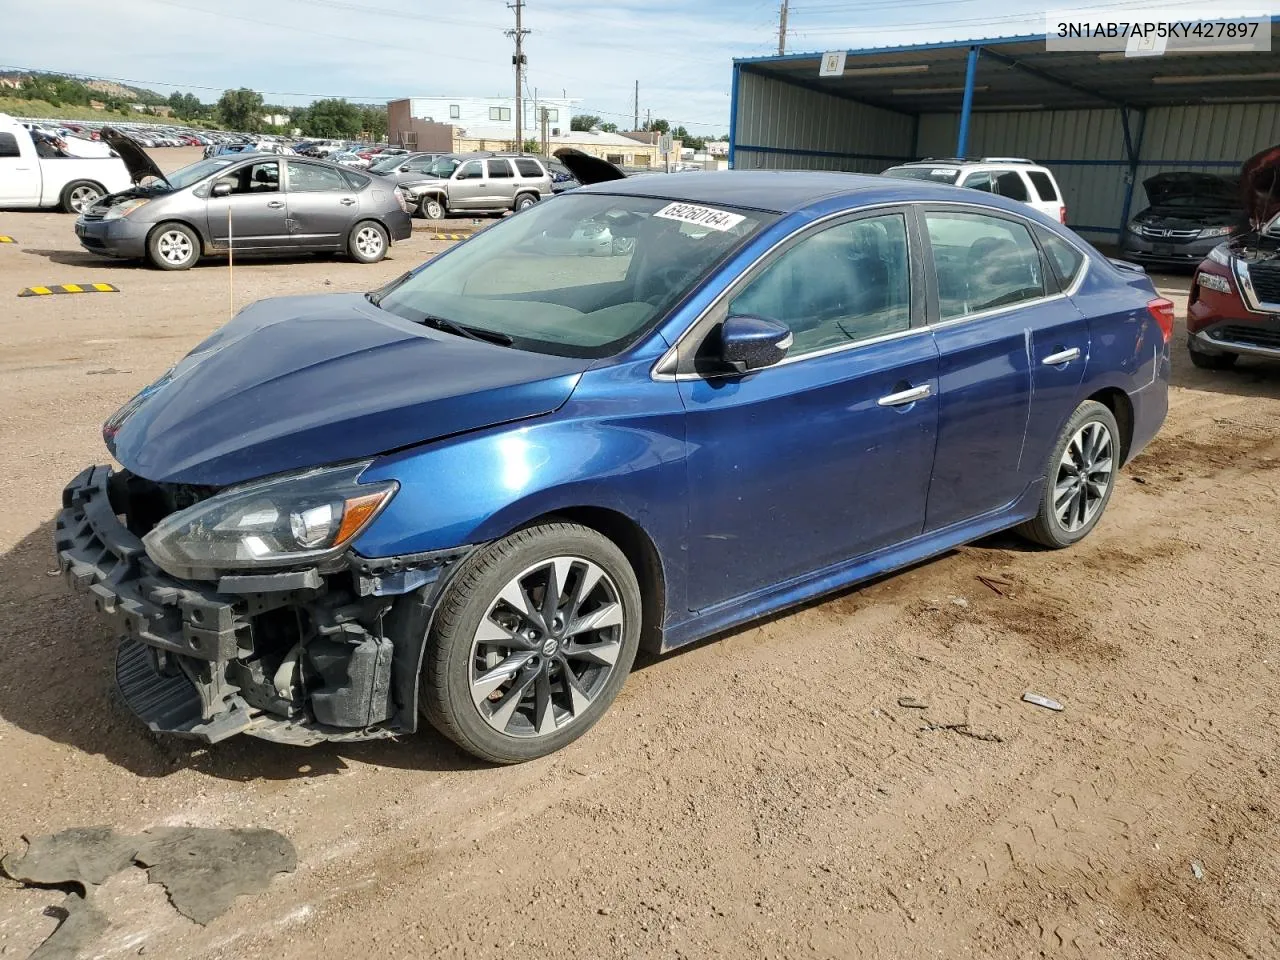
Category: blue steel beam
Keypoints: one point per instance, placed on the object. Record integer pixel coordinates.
(966, 106)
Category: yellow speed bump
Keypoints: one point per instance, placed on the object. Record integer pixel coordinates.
(450, 236)
(69, 288)
(7, 240)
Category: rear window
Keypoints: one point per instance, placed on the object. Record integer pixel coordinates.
(1044, 185)
(1010, 185)
(355, 180)
(1064, 257)
(936, 174)
(8, 145)
(528, 168)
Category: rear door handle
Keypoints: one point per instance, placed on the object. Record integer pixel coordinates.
(904, 397)
(346, 201)
(276, 204)
(1061, 357)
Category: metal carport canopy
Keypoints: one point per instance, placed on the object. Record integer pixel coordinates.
(1019, 73)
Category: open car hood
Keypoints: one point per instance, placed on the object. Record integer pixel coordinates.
(1260, 187)
(135, 158)
(1209, 190)
(586, 168)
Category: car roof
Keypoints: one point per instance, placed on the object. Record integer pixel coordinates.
(991, 163)
(786, 191)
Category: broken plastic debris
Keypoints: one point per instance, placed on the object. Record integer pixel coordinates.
(82, 923)
(911, 703)
(1046, 702)
(83, 855)
(1197, 871)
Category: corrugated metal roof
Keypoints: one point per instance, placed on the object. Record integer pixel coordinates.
(1019, 73)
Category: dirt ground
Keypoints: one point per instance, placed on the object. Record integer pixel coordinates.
(763, 795)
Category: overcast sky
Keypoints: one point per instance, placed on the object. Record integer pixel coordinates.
(374, 50)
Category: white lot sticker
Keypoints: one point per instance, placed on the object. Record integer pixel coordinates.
(708, 217)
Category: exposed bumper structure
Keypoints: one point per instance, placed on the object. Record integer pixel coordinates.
(299, 656)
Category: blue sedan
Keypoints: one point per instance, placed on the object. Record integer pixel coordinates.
(474, 494)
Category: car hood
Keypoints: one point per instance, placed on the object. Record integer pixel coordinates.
(1209, 190)
(299, 382)
(586, 168)
(135, 158)
(1260, 187)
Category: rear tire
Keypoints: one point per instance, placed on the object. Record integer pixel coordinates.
(1079, 478)
(368, 242)
(510, 675)
(79, 195)
(524, 201)
(173, 246)
(1212, 361)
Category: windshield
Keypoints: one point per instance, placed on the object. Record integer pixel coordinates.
(389, 163)
(197, 171)
(936, 174)
(582, 275)
(444, 167)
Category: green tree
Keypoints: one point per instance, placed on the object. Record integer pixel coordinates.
(609, 127)
(241, 110)
(332, 118)
(583, 121)
(533, 145)
(657, 126)
(373, 121)
(186, 106)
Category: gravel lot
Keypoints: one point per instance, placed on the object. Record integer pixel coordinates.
(764, 795)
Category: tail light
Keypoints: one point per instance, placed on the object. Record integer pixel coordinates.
(1161, 311)
(400, 197)
(1062, 214)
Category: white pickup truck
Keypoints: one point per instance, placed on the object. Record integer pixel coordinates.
(28, 179)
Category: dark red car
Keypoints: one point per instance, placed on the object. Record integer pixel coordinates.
(1234, 306)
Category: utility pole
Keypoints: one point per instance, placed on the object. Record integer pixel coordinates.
(648, 119)
(636, 123)
(518, 60)
(782, 29)
(546, 144)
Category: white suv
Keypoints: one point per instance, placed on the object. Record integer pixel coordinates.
(1009, 177)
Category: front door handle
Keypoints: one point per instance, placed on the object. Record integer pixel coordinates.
(276, 204)
(346, 201)
(903, 397)
(1061, 357)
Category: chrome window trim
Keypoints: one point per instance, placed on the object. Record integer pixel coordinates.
(671, 355)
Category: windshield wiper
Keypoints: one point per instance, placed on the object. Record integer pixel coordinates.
(472, 333)
(375, 296)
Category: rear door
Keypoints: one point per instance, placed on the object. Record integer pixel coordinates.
(322, 206)
(988, 280)
(19, 171)
(502, 182)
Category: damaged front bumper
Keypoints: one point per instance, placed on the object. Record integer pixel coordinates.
(298, 656)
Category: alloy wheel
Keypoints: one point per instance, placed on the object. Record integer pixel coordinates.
(1084, 476)
(175, 247)
(546, 647)
(84, 197)
(369, 242)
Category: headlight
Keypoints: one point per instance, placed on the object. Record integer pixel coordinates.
(1211, 281)
(1220, 254)
(1208, 233)
(294, 519)
(1135, 227)
(125, 208)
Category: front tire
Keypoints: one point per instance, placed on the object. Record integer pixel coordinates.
(368, 242)
(79, 195)
(432, 208)
(173, 246)
(531, 642)
(1080, 476)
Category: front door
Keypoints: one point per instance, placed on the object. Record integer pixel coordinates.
(990, 290)
(468, 187)
(825, 456)
(322, 206)
(253, 215)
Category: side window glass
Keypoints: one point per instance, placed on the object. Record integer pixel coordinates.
(528, 168)
(979, 181)
(499, 169)
(1009, 184)
(8, 145)
(1064, 257)
(308, 178)
(982, 263)
(847, 283)
(255, 178)
(1044, 186)
(471, 170)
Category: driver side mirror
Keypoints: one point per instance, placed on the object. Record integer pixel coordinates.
(751, 343)
(221, 189)
(405, 168)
